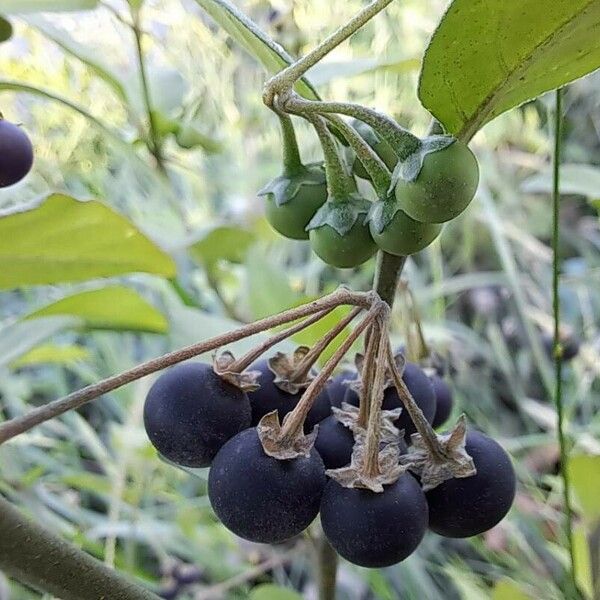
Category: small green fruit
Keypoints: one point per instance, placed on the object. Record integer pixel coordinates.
(380, 146)
(343, 251)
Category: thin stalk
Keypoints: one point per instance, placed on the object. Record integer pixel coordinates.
(562, 438)
(367, 374)
(14, 427)
(292, 162)
(387, 274)
(326, 560)
(285, 79)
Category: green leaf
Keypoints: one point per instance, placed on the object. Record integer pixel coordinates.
(270, 591)
(33, 6)
(583, 562)
(116, 308)
(230, 244)
(487, 57)
(88, 56)
(188, 137)
(576, 179)
(6, 29)
(507, 589)
(51, 354)
(63, 239)
(255, 41)
(19, 338)
(584, 472)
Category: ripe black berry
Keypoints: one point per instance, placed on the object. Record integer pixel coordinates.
(375, 530)
(16, 154)
(269, 397)
(465, 507)
(260, 498)
(334, 443)
(443, 401)
(190, 412)
(421, 389)
(337, 386)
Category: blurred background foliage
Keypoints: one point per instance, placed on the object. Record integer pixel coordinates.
(483, 288)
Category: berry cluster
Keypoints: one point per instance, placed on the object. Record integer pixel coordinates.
(357, 448)
(16, 154)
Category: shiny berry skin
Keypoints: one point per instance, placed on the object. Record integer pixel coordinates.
(443, 401)
(269, 398)
(421, 389)
(343, 251)
(337, 387)
(460, 508)
(260, 498)
(16, 154)
(334, 443)
(443, 188)
(375, 530)
(190, 412)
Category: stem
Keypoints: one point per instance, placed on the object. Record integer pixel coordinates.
(155, 145)
(414, 318)
(387, 273)
(326, 560)
(24, 423)
(293, 422)
(562, 438)
(375, 167)
(40, 559)
(338, 185)
(403, 142)
(285, 79)
(292, 162)
(367, 375)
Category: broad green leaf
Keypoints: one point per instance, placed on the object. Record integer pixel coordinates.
(255, 41)
(114, 307)
(325, 72)
(63, 239)
(6, 29)
(583, 562)
(88, 56)
(577, 179)
(507, 589)
(270, 591)
(488, 56)
(51, 354)
(19, 338)
(584, 471)
(230, 244)
(33, 6)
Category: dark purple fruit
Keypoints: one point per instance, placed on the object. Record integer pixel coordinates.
(260, 498)
(570, 346)
(421, 389)
(460, 508)
(443, 401)
(334, 443)
(16, 154)
(190, 412)
(337, 386)
(375, 530)
(269, 398)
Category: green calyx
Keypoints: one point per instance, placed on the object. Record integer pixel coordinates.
(285, 187)
(341, 213)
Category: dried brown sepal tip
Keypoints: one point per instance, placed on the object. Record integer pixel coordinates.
(388, 433)
(355, 475)
(275, 445)
(359, 361)
(285, 368)
(224, 367)
(452, 460)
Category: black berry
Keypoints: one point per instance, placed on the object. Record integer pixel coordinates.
(338, 385)
(334, 443)
(570, 346)
(468, 506)
(260, 498)
(421, 389)
(16, 154)
(270, 397)
(375, 530)
(443, 401)
(190, 412)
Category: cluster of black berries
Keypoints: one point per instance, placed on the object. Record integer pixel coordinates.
(194, 417)
(16, 154)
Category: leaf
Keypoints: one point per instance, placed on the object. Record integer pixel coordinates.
(583, 562)
(584, 472)
(86, 55)
(6, 29)
(167, 89)
(255, 41)
(270, 591)
(63, 239)
(33, 6)
(226, 243)
(188, 137)
(487, 57)
(115, 307)
(507, 589)
(19, 338)
(51, 354)
(576, 179)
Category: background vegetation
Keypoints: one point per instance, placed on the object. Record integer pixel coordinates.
(73, 80)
